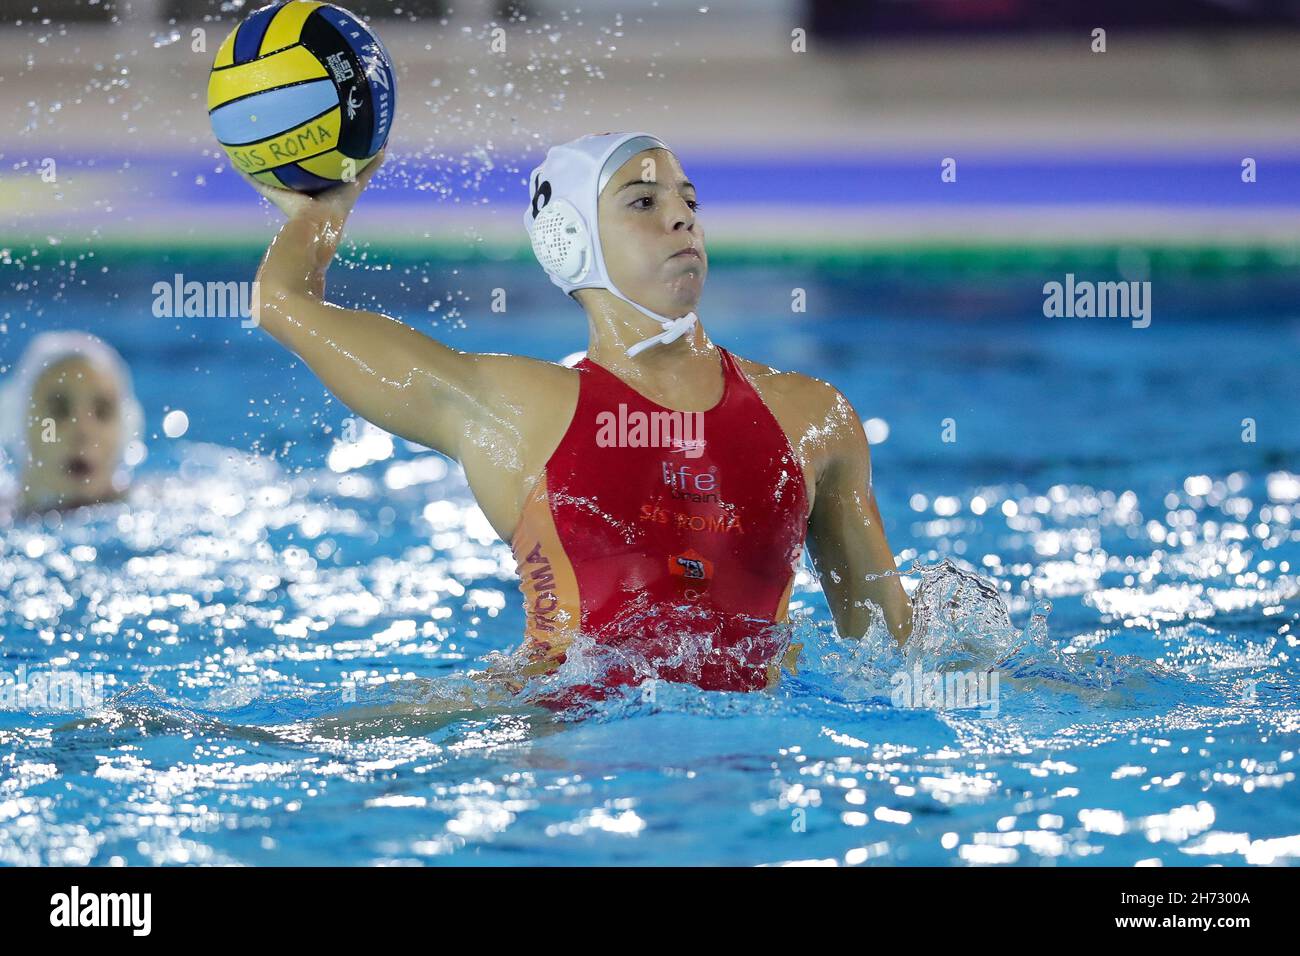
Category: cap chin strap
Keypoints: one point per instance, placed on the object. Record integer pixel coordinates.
(673, 329)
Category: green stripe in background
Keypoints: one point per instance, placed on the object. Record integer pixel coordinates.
(923, 257)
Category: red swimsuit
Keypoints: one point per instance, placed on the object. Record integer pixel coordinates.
(669, 538)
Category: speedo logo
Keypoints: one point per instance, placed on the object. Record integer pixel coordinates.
(681, 432)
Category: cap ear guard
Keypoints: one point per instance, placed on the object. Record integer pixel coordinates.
(561, 241)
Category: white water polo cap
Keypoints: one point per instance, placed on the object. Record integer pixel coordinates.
(44, 352)
(562, 223)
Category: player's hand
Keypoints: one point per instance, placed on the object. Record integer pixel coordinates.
(333, 204)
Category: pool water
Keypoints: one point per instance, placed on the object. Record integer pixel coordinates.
(281, 620)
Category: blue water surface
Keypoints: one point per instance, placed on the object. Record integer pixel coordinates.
(282, 615)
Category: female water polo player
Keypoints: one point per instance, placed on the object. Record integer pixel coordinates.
(67, 419)
(676, 547)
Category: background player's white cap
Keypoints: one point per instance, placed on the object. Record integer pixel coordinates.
(563, 226)
(45, 351)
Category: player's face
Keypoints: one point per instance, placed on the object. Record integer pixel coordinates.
(646, 219)
(73, 434)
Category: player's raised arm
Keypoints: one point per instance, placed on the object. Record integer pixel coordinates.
(382, 369)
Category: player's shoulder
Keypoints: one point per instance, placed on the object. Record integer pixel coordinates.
(530, 394)
(515, 373)
(817, 396)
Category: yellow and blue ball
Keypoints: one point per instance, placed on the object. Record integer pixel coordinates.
(302, 95)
